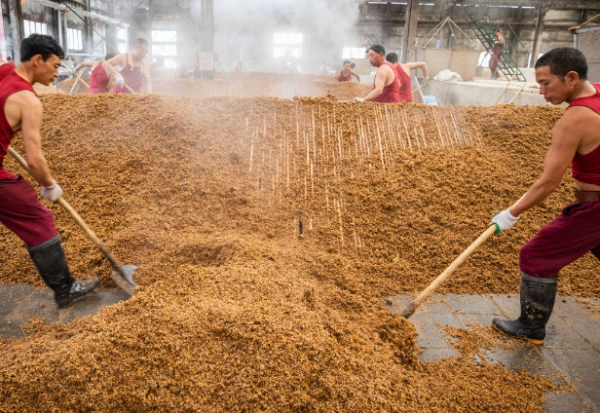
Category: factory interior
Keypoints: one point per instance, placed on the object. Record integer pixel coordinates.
(300, 206)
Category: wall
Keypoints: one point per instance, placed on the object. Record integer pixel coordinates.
(588, 41)
(481, 93)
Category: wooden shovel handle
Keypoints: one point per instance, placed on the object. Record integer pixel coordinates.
(443, 276)
(86, 229)
(130, 89)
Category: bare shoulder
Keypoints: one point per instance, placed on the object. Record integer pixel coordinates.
(26, 99)
(577, 117)
(385, 69)
(573, 128)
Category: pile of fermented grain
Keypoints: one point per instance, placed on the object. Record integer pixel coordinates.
(276, 87)
(281, 88)
(265, 232)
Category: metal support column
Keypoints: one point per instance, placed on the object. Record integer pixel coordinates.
(88, 34)
(207, 46)
(410, 28)
(111, 31)
(16, 27)
(447, 11)
(514, 43)
(538, 37)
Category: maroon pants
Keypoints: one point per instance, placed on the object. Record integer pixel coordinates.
(23, 214)
(567, 238)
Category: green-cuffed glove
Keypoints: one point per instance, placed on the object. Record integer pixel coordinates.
(358, 100)
(503, 221)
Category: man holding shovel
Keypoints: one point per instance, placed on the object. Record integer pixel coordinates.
(562, 75)
(20, 211)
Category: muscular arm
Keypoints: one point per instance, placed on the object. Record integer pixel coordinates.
(31, 122)
(419, 65)
(85, 64)
(566, 138)
(381, 78)
(119, 60)
(355, 75)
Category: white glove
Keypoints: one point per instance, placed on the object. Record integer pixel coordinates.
(120, 80)
(504, 221)
(358, 100)
(52, 192)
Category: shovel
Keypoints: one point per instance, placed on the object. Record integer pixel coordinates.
(122, 274)
(416, 303)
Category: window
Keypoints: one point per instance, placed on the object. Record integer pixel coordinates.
(354, 53)
(164, 43)
(287, 45)
(74, 39)
(288, 38)
(122, 40)
(484, 59)
(32, 27)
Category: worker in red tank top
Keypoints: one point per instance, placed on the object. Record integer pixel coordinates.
(346, 74)
(386, 88)
(562, 75)
(99, 79)
(135, 75)
(20, 211)
(403, 72)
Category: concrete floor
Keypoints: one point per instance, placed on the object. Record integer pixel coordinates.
(571, 348)
(19, 302)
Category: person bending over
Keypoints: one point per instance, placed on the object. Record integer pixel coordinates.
(20, 211)
(562, 76)
(403, 72)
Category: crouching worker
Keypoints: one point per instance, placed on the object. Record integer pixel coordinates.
(20, 210)
(562, 75)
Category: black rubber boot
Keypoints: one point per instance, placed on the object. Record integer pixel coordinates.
(50, 261)
(537, 301)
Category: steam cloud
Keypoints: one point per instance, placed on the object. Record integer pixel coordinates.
(244, 30)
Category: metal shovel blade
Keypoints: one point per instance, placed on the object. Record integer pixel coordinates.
(123, 277)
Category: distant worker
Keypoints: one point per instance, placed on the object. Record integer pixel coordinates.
(238, 68)
(135, 74)
(347, 73)
(99, 79)
(10, 60)
(157, 67)
(181, 72)
(386, 88)
(497, 54)
(562, 76)
(20, 211)
(403, 72)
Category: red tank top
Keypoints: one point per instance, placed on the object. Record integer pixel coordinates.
(391, 93)
(10, 83)
(133, 78)
(586, 168)
(405, 85)
(98, 80)
(345, 78)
